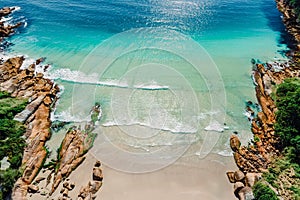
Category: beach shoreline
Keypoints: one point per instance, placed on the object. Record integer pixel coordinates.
(205, 178)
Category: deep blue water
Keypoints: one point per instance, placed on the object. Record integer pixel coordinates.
(63, 23)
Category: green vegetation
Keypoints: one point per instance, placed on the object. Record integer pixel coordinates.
(262, 191)
(296, 5)
(11, 142)
(95, 113)
(287, 127)
(288, 116)
(256, 138)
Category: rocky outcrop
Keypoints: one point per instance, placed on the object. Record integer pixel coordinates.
(7, 30)
(89, 192)
(67, 187)
(6, 11)
(72, 152)
(290, 19)
(287, 178)
(254, 159)
(243, 182)
(41, 92)
(42, 96)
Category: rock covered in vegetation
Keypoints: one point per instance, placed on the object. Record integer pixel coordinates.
(254, 159)
(25, 83)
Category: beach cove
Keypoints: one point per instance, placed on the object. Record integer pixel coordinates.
(67, 73)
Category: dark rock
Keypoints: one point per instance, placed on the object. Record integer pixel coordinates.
(97, 174)
(33, 188)
(97, 164)
(231, 177)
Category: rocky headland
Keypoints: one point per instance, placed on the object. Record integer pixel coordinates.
(290, 18)
(256, 158)
(42, 93)
(7, 30)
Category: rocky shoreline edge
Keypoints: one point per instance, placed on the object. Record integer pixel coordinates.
(255, 159)
(42, 94)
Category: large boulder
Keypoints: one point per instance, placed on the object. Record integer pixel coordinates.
(6, 11)
(237, 187)
(239, 175)
(246, 194)
(230, 176)
(234, 143)
(97, 174)
(252, 178)
(95, 186)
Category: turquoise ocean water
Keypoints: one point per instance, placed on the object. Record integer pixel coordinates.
(142, 101)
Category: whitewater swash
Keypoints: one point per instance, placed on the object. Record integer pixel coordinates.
(152, 112)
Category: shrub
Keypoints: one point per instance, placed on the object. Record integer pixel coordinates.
(288, 115)
(263, 192)
(7, 180)
(11, 143)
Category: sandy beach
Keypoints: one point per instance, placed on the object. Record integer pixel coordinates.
(179, 181)
(206, 181)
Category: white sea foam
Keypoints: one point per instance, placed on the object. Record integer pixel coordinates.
(21, 19)
(214, 126)
(5, 56)
(180, 128)
(248, 115)
(152, 86)
(54, 117)
(253, 79)
(5, 19)
(66, 116)
(27, 62)
(80, 77)
(16, 8)
(172, 125)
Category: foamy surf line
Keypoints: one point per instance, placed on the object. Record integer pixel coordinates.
(16, 8)
(11, 20)
(177, 129)
(78, 77)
